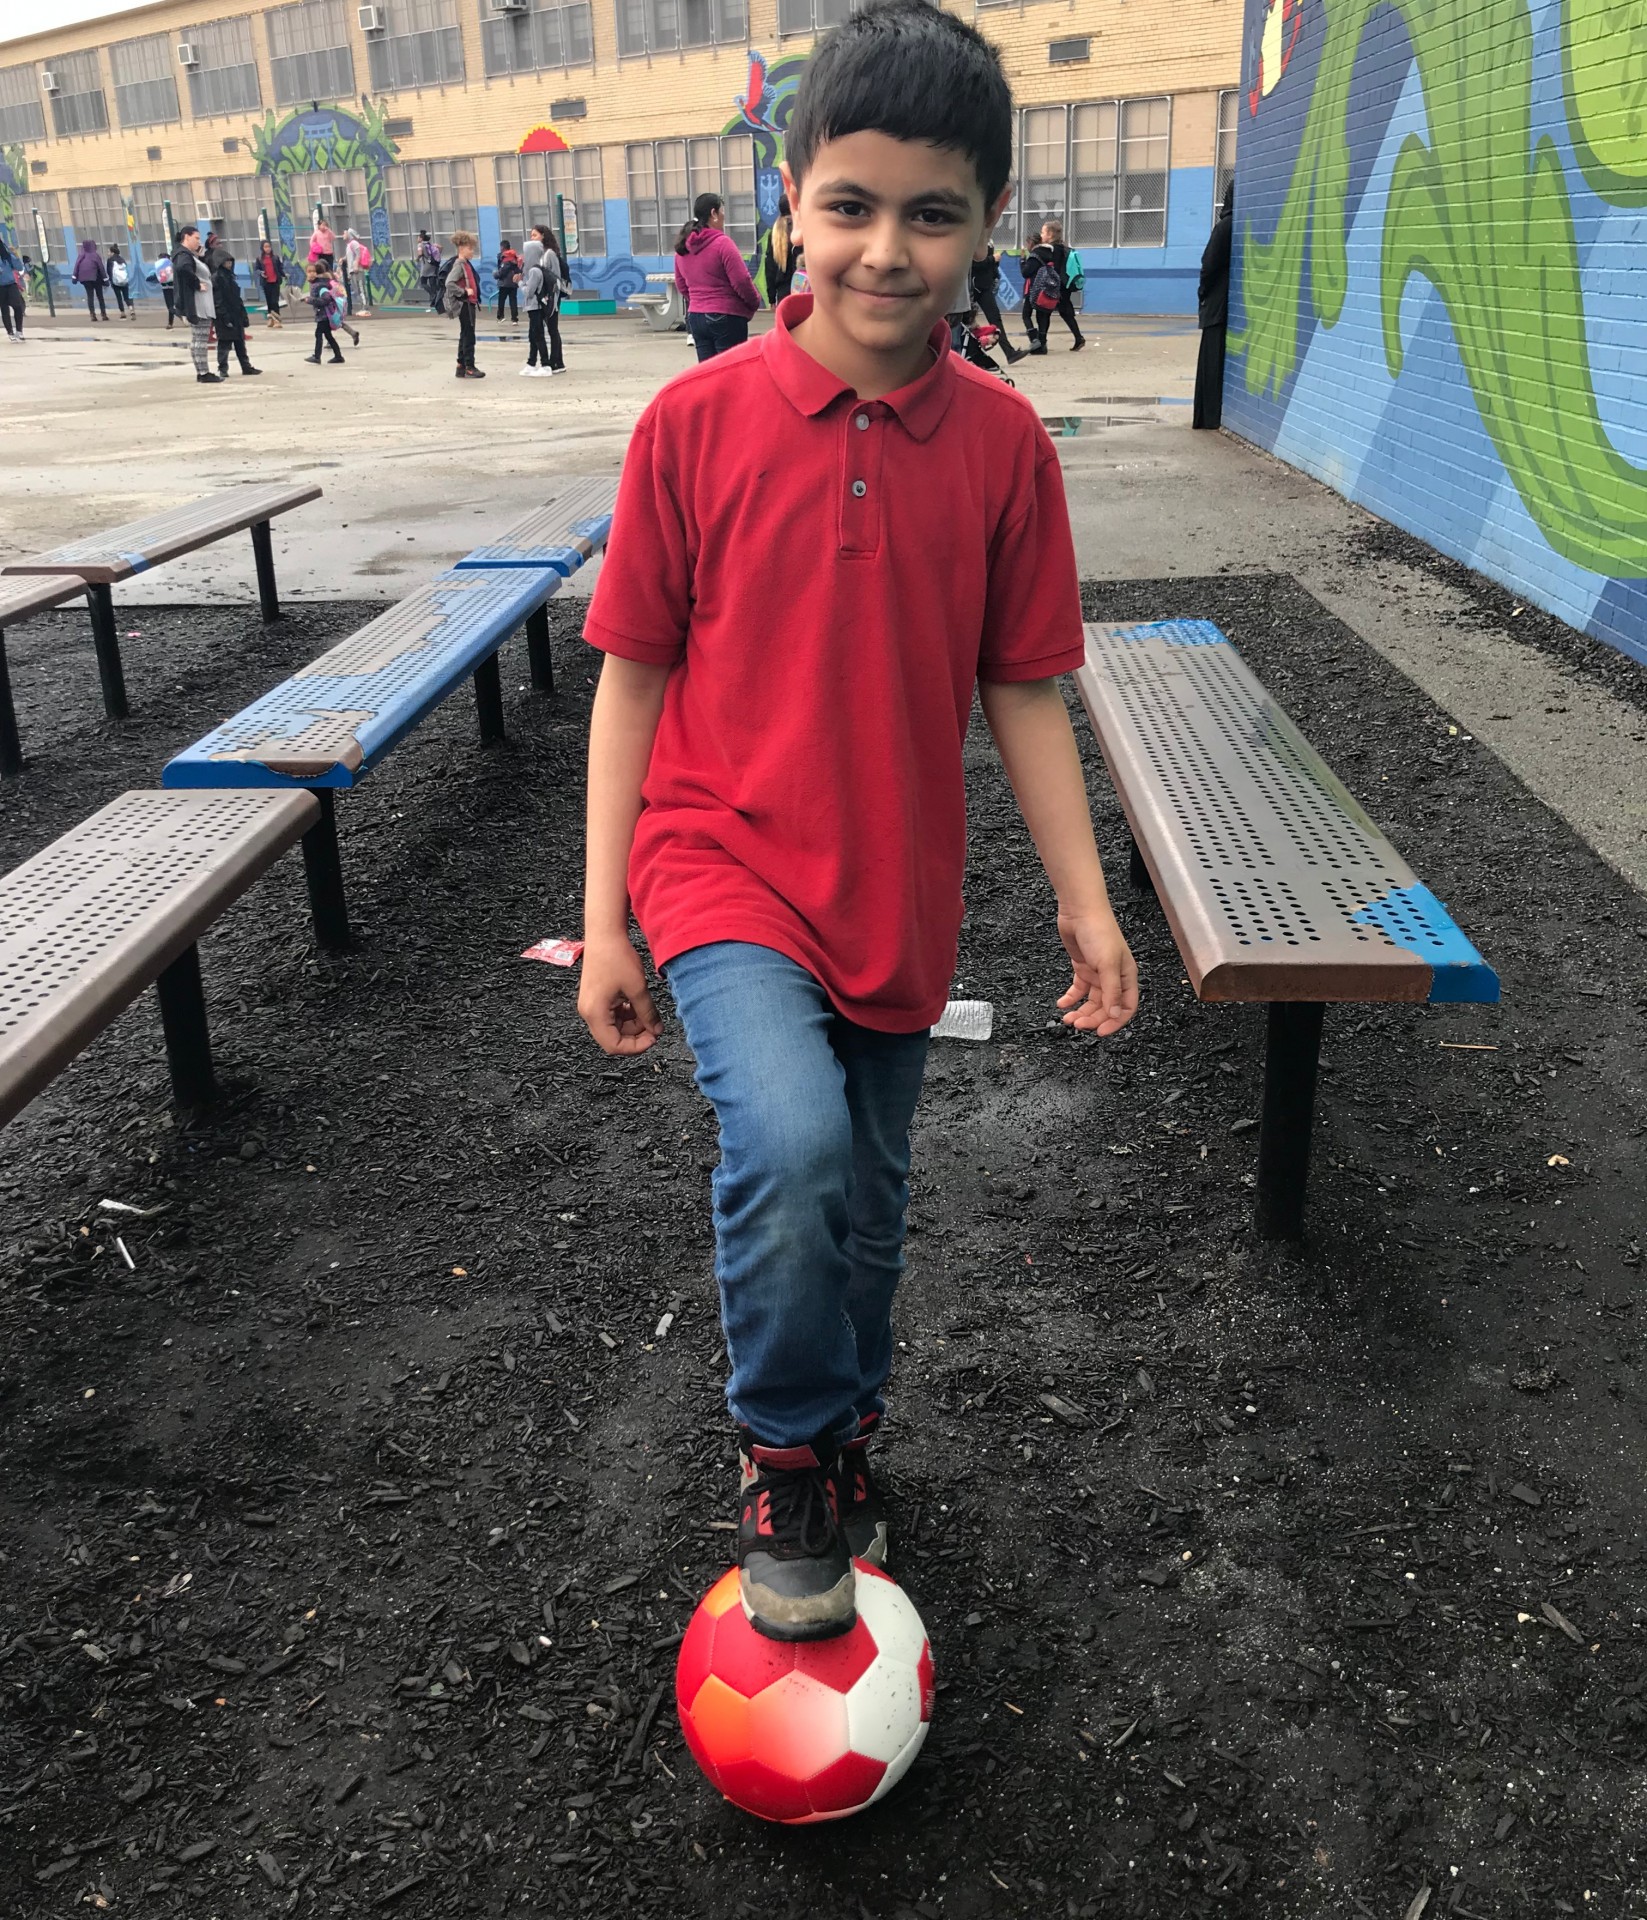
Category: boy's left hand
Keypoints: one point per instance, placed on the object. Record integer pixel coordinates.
(1103, 996)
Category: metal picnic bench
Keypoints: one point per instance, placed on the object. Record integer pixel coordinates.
(340, 716)
(95, 565)
(1277, 886)
(117, 905)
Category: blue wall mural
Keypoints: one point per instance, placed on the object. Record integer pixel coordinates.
(1439, 288)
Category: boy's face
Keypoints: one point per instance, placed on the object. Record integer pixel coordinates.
(466, 253)
(889, 227)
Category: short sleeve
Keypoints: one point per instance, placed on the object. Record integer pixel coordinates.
(1032, 615)
(642, 599)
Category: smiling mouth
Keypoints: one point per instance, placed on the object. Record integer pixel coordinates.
(880, 295)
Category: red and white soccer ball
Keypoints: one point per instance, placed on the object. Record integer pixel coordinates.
(810, 1730)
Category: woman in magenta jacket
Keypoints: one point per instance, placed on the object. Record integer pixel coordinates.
(714, 282)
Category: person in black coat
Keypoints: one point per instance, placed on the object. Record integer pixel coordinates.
(1049, 251)
(986, 279)
(1213, 296)
(232, 318)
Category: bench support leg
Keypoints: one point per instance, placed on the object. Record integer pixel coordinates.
(183, 1018)
(324, 871)
(537, 649)
(101, 602)
(263, 553)
(11, 749)
(1290, 1056)
(489, 698)
(1137, 869)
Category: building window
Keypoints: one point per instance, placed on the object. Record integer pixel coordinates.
(340, 195)
(1229, 117)
(50, 208)
(1099, 167)
(662, 26)
(225, 78)
(22, 105)
(815, 16)
(234, 201)
(98, 213)
(666, 176)
(309, 53)
(528, 182)
(540, 36)
(145, 89)
(422, 47)
(78, 105)
(437, 194)
(149, 201)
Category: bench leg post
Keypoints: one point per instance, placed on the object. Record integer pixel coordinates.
(263, 553)
(324, 872)
(11, 749)
(1138, 869)
(489, 698)
(537, 649)
(183, 1019)
(101, 602)
(1290, 1055)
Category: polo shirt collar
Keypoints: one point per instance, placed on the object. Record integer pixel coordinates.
(810, 388)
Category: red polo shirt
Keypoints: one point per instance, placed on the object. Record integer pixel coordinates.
(828, 578)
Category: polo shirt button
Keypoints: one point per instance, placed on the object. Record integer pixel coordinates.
(859, 489)
(861, 422)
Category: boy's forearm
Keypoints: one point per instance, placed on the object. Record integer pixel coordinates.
(1032, 733)
(628, 705)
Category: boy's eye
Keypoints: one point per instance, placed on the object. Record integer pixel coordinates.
(848, 209)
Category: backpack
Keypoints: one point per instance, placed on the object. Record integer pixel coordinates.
(118, 272)
(163, 270)
(1047, 288)
(365, 257)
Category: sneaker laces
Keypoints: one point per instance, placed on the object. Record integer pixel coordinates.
(802, 1509)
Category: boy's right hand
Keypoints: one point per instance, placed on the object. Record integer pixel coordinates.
(613, 1002)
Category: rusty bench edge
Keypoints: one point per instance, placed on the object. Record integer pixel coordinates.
(46, 1045)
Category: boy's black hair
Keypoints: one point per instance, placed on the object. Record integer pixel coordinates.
(906, 69)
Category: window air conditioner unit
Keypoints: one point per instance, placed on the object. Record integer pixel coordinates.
(204, 210)
(509, 6)
(329, 197)
(187, 56)
(48, 81)
(371, 19)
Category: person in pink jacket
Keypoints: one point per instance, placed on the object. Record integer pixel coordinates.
(714, 282)
(322, 241)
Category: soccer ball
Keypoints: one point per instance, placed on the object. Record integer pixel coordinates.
(811, 1729)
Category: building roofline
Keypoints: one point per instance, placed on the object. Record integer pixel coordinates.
(99, 28)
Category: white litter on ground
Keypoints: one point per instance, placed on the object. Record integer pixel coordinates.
(966, 1020)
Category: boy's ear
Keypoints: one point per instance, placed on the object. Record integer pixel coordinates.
(993, 215)
(794, 195)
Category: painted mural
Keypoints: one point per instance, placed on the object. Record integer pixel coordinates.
(321, 140)
(1441, 280)
(14, 173)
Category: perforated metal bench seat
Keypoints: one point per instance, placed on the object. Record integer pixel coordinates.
(337, 718)
(18, 599)
(95, 564)
(1275, 883)
(117, 905)
(568, 529)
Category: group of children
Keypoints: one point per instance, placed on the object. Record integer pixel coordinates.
(536, 277)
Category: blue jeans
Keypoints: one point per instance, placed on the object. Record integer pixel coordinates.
(811, 1190)
(714, 333)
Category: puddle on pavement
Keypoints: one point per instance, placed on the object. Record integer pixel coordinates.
(1066, 426)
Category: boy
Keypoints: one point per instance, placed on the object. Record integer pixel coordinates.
(323, 299)
(463, 298)
(784, 795)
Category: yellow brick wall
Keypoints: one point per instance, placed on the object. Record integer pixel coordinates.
(1188, 48)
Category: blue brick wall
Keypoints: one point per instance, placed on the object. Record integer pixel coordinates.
(1440, 282)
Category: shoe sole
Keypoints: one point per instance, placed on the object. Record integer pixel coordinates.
(793, 1620)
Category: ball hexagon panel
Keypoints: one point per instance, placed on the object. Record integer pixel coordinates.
(883, 1709)
(799, 1727)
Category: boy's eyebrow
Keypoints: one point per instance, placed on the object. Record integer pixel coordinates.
(928, 197)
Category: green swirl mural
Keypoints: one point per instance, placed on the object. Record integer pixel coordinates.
(14, 170)
(1482, 210)
(333, 139)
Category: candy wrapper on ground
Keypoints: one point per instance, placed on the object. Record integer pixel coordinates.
(558, 953)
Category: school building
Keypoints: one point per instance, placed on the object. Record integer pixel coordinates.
(611, 115)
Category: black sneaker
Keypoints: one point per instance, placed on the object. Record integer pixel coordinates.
(862, 1510)
(795, 1573)
(209, 379)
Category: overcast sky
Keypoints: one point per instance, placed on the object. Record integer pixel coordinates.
(21, 17)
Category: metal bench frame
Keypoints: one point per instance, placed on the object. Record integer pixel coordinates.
(1277, 886)
(117, 904)
(317, 732)
(99, 563)
(18, 599)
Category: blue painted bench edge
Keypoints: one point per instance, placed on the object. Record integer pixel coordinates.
(183, 771)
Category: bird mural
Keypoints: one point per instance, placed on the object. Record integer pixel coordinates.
(754, 104)
(1283, 22)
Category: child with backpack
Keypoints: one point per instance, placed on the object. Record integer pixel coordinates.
(120, 278)
(462, 300)
(1050, 281)
(328, 311)
(163, 276)
(541, 284)
(507, 273)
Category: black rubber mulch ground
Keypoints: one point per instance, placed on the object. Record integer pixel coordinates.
(339, 1581)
